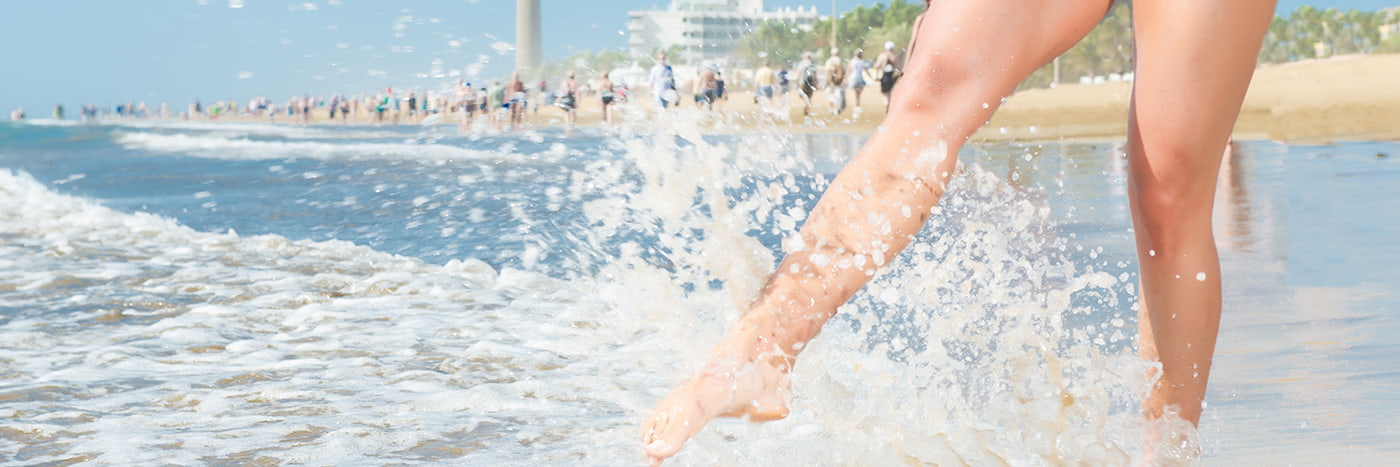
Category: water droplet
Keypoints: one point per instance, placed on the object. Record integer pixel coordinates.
(1201, 276)
(1151, 252)
(986, 105)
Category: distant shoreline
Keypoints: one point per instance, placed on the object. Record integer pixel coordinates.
(1346, 98)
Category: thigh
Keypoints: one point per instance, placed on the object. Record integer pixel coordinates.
(965, 56)
(1194, 60)
(998, 40)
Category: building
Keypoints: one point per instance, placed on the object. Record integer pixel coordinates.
(1392, 22)
(705, 29)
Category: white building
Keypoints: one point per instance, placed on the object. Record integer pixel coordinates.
(705, 29)
(1392, 22)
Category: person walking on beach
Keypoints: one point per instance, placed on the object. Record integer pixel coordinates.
(856, 78)
(345, 110)
(498, 105)
(334, 107)
(890, 70)
(544, 95)
(483, 104)
(719, 86)
(706, 88)
(1194, 60)
(763, 80)
(518, 102)
(836, 82)
(381, 105)
(806, 81)
(396, 106)
(568, 100)
(782, 83)
(606, 94)
(663, 82)
(467, 106)
(462, 101)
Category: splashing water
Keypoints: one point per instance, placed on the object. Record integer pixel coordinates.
(980, 345)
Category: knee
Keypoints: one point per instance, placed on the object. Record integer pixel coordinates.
(1173, 193)
(929, 77)
(953, 91)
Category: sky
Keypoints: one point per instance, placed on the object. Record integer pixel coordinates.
(107, 52)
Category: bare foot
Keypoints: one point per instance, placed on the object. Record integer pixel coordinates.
(1171, 440)
(729, 385)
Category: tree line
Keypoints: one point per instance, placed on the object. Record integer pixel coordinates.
(1305, 33)
(1312, 33)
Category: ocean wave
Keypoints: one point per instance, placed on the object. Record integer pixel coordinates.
(48, 122)
(279, 130)
(235, 148)
(207, 338)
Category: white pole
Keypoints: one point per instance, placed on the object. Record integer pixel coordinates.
(527, 34)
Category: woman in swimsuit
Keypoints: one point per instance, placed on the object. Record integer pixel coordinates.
(569, 100)
(888, 64)
(606, 94)
(855, 77)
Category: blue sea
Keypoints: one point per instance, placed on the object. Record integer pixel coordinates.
(240, 293)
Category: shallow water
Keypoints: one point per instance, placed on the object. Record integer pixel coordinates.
(194, 293)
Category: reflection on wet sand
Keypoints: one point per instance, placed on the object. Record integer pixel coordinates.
(1234, 211)
(1307, 336)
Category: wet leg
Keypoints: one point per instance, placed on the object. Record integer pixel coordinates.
(1195, 60)
(970, 55)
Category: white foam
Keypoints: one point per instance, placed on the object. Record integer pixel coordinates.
(233, 148)
(206, 338)
(245, 129)
(958, 353)
(49, 122)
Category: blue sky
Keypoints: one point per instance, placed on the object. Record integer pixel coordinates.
(106, 52)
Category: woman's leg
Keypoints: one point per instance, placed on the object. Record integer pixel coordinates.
(969, 56)
(1194, 62)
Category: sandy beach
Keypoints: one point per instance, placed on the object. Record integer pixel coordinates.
(1347, 98)
(1341, 98)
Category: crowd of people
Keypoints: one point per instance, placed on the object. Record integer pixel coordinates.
(508, 105)
(838, 77)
